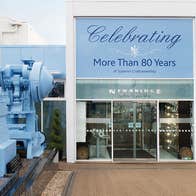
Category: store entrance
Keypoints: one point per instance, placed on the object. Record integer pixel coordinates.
(134, 130)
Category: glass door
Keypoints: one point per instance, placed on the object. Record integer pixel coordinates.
(134, 130)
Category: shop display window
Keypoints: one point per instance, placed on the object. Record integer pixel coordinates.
(93, 130)
(176, 130)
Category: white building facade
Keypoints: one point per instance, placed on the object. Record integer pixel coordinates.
(18, 32)
(130, 81)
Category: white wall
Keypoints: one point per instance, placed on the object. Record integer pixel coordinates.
(17, 32)
(134, 8)
(111, 8)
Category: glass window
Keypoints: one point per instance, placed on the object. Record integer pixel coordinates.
(176, 131)
(98, 110)
(93, 130)
(54, 117)
(58, 89)
(38, 112)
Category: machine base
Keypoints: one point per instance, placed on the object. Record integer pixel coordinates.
(7, 153)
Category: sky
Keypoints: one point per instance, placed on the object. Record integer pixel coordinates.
(47, 17)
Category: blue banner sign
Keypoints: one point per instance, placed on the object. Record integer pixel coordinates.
(134, 89)
(134, 48)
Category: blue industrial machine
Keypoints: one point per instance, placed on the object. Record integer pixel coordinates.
(23, 85)
(7, 146)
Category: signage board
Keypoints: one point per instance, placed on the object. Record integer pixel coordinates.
(134, 89)
(134, 47)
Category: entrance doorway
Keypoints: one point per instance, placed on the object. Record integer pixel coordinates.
(134, 130)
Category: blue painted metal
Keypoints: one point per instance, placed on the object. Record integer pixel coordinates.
(7, 146)
(25, 84)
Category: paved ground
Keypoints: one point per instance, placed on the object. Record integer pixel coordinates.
(140, 182)
(129, 179)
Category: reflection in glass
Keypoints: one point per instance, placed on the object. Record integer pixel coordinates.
(58, 89)
(176, 130)
(48, 109)
(93, 130)
(38, 112)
